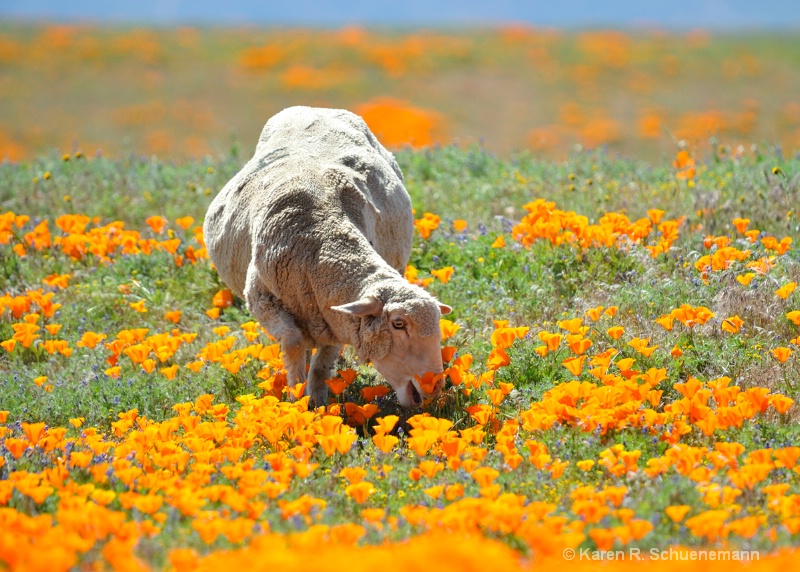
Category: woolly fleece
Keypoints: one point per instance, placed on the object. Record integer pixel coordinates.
(319, 217)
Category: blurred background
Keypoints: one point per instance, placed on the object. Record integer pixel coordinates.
(184, 79)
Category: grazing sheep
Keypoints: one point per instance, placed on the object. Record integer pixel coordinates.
(315, 232)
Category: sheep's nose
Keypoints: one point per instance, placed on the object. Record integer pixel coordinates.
(416, 397)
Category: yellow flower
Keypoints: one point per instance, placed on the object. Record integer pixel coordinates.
(745, 279)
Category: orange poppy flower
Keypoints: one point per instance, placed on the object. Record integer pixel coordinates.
(782, 354)
(594, 313)
(448, 352)
(788, 456)
(573, 326)
(386, 423)
(666, 321)
(223, 298)
(655, 215)
(16, 446)
(741, 224)
(156, 223)
(373, 392)
(25, 333)
(336, 385)
(552, 341)
(484, 476)
(33, 431)
(353, 474)
(574, 364)
(784, 291)
(732, 324)
(443, 274)
(90, 340)
(173, 316)
(448, 328)
(497, 358)
(170, 372)
(641, 345)
(385, 443)
(427, 224)
(579, 347)
(360, 491)
(185, 222)
(676, 513)
(421, 444)
(503, 337)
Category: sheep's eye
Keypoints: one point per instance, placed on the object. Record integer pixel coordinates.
(398, 324)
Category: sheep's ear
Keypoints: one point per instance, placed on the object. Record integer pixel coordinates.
(369, 306)
(444, 309)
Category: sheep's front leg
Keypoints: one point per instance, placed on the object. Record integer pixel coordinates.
(268, 310)
(321, 365)
(294, 358)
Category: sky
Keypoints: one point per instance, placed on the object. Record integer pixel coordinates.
(682, 14)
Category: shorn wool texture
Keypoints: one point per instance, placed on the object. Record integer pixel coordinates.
(315, 232)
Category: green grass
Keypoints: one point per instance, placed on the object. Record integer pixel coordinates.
(534, 287)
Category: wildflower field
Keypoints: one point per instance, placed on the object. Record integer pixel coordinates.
(621, 369)
(186, 92)
(621, 362)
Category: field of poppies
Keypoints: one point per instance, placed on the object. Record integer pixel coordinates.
(621, 373)
(621, 363)
(186, 92)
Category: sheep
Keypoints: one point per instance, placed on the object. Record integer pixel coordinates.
(315, 233)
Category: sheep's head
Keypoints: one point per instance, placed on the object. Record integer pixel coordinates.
(400, 335)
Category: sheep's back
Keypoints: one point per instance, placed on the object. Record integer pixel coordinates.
(338, 140)
(290, 178)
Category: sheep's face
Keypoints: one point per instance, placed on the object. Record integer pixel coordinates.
(407, 344)
(413, 366)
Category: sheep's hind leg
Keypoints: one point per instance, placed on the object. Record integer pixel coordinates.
(279, 323)
(321, 365)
